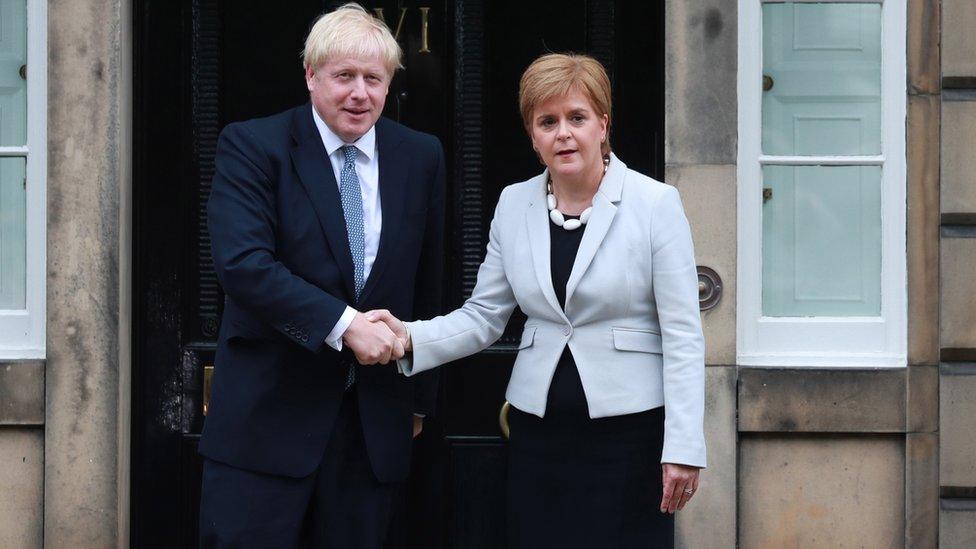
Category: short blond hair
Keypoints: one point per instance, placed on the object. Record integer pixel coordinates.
(559, 74)
(350, 31)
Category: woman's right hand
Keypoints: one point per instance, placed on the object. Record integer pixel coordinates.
(395, 324)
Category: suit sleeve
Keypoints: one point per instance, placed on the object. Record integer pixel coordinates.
(242, 219)
(474, 326)
(675, 283)
(428, 294)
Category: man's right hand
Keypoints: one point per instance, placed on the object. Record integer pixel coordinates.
(372, 342)
(399, 329)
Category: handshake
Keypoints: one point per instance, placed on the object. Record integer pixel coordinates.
(377, 337)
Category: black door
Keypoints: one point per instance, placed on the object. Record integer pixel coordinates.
(200, 64)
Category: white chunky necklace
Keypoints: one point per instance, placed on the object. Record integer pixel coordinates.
(557, 216)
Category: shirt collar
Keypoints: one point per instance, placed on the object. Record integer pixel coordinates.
(366, 144)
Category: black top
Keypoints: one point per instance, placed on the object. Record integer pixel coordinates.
(563, 246)
(566, 403)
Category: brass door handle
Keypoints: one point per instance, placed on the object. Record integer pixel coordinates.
(503, 419)
(208, 371)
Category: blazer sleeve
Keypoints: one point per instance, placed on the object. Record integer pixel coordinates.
(242, 220)
(675, 286)
(474, 326)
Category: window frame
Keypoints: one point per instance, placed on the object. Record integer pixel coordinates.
(799, 341)
(23, 331)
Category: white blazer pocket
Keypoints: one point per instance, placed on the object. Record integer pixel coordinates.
(633, 339)
(528, 337)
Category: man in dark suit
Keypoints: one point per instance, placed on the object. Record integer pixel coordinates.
(316, 214)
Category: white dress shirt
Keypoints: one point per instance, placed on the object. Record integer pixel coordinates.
(368, 170)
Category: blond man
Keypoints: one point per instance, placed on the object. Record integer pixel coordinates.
(316, 214)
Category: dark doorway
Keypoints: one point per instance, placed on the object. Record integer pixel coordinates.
(200, 64)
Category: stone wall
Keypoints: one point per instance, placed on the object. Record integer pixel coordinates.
(21, 453)
(957, 385)
(60, 427)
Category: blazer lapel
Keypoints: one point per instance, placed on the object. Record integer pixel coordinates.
(604, 210)
(537, 221)
(315, 172)
(393, 183)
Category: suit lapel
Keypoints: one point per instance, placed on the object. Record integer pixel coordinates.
(315, 172)
(604, 210)
(537, 221)
(393, 183)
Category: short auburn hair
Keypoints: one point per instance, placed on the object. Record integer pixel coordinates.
(559, 74)
(351, 31)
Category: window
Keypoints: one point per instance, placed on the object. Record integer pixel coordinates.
(23, 174)
(821, 176)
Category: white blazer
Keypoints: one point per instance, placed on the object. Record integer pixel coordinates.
(631, 319)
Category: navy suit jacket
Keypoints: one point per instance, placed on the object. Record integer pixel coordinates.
(282, 256)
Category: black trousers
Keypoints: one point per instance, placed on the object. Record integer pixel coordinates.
(341, 505)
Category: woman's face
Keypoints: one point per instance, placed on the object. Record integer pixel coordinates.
(567, 133)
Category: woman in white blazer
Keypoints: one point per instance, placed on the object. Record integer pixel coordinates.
(609, 378)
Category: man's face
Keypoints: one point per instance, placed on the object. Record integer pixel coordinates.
(349, 94)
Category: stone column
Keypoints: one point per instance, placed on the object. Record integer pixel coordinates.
(700, 155)
(89, 92)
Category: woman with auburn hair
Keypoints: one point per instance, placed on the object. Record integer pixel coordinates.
(609, 378)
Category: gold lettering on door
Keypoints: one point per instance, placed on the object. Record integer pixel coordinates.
(424, 12)
(424, 20)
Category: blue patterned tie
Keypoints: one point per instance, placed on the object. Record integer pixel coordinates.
(352, 209)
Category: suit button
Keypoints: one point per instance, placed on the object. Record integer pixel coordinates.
(567, 329)
(304, 337)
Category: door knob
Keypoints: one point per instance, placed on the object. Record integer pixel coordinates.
(767, 82)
